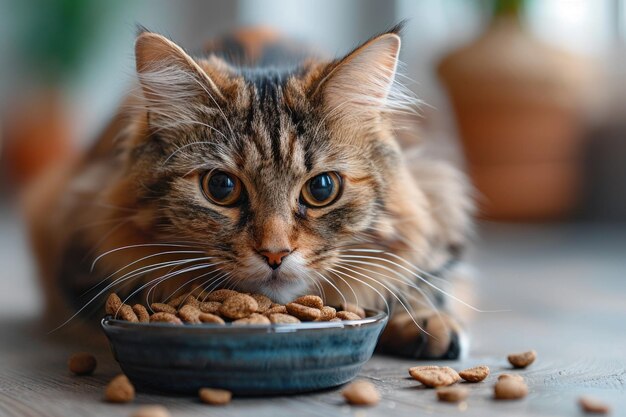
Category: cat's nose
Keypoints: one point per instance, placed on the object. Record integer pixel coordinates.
(274, 258)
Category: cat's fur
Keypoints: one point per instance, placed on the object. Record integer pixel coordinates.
(135, 196)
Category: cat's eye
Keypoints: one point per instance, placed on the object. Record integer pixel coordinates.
(321, 190)
(221, 187)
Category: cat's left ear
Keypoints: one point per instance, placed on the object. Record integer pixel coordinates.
(361, 83)
(172, 82)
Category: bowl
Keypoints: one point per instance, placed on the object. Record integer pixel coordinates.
(247, 360)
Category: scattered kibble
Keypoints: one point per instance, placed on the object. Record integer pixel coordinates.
(119, 390)
(452, 394)
(361, 393)
(215, 396)
(510, 389)
(476, 374)
(434, 376)
(151, 411)
(82, 363)
(593, 406)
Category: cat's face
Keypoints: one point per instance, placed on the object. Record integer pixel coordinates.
(273, 173)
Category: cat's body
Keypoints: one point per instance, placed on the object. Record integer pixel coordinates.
(279, 179)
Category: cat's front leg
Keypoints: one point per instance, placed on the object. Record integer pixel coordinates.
(427, 334)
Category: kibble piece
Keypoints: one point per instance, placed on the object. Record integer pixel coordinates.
(433, 378)
(254, 318)
(310, 301)
(151, 411)
(176, 302)
(215, 396)
(189, 314)
(162, 308)
(113, 304)
(210, 318)
(328, 313)
(238, 306)
(119, 390)
(210, 306)
(276, 309)
(513, 376)
(335, 319)
(221, 295)
(593, 406)
(361, 393)
(476, 374)
(141, 313)
(510, 389)
(452, 394)
(82, 363)
(191, 301)
(522, 360)
(304, 313)
(280, 318)
(422, 368)
(264, 303)
(347, 315)
(126, 313)
(162, 317)
(353, 308)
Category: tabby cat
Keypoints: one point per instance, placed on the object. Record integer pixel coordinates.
(260, 167)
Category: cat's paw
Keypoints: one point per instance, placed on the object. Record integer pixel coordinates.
(438, 336)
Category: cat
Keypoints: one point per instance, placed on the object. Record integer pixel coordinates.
(262, 167)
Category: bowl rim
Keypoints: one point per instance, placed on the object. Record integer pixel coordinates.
(374, 317)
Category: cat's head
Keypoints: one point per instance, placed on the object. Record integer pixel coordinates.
(273, 171)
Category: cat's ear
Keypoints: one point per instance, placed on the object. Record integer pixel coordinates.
(172, 82)
(362, 82)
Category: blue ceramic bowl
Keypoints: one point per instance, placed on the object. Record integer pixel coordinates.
(247, 360)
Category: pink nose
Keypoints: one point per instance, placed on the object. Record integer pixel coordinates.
(274, 259)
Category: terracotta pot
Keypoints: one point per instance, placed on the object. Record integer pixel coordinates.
(517, 104)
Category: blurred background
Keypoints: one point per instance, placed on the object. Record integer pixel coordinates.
(529, 97)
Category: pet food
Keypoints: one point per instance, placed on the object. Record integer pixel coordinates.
(119, 390)
(283, 318)
(215, 396)
(452, 394)
(592, 406)
(510, 389)
(361, 393)
(141, 313)
(165, 318)
(303, 312)
(476, 374)
(151, 411)
(434, 376)
(82, 363)
(238, 306)
(522, 360)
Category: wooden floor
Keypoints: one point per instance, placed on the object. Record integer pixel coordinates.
(565, 288)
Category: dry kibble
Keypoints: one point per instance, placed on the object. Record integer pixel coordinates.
(347, 315)
(280, 318)
(141, 313)
(452, 394)
(361, 393)
(113, 304)
(512, 376)
(328, 313)
(176, 302)
(522, 360)
(151, 411)
(302, 312)
(310, 301)
(162, 308)
(335, 319)
(162, 317)
(262, 301)
(221, 295)
(189, 314)
(238, 306)
(276, 309)
(215, 396)
(476, 374)
(592, 406)
(254, 318)
(191, 301)
(210, 318)
(126, 313)
(82, 363)
(434, 377)
(353, 308)
(119, 390)
(510, 389)
(210, 306)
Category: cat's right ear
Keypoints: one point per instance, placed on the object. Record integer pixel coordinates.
(172, 82)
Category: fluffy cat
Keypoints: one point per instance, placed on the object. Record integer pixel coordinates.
(255, 168)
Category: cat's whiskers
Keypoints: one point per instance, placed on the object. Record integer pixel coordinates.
(143, 245)
(343, 298)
